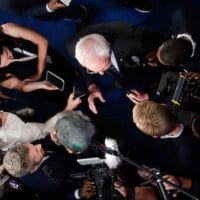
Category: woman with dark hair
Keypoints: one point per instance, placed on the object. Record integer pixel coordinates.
(18, 67)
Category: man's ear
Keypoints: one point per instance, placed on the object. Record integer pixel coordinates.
(53, 136)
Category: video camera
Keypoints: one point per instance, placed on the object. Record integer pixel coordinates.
(103, 177)
(179, 88)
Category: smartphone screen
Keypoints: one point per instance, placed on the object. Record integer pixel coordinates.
(65, 2)
(55, 80)
(78, 93)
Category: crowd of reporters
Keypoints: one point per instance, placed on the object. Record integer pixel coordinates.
(120, 81)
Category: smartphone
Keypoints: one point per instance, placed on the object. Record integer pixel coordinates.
(65, 2)
(55, 80)
(79, 91)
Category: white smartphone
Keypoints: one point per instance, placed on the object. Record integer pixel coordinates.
(65, 2)
(55, 80)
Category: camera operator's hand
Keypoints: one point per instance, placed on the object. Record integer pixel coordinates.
(88, 190)
(174, 180)
(118, 185)
(145, 175)
(191, 75)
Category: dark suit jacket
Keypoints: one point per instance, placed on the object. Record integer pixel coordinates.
(28, 7)
(181, 155)
(51, 180)
(126, 41)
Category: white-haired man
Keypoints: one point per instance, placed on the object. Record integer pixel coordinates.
(115, 49)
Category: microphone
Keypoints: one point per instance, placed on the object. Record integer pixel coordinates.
(103, 148)
(96, 146)
(111, 151)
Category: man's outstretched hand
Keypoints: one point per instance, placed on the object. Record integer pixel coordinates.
(94, 93)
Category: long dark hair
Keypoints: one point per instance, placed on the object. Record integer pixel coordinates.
(8, 41)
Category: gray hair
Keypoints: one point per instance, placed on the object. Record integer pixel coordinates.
(16, 161)
(90, 47)
(74, 130)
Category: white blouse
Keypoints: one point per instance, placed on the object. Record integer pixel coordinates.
(15, 131)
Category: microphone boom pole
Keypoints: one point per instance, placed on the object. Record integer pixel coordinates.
(158, 177)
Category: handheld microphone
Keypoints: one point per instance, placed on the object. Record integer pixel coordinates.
(103, 148)
(111, 151)
(96, 146)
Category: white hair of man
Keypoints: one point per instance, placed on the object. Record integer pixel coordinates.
(90, 47)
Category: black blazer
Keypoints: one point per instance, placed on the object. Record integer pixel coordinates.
(28, 7)
(126, 41)
(51, 180)
(181, 155)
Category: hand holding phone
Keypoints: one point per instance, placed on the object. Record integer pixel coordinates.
(79, 92)
(72, 103)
